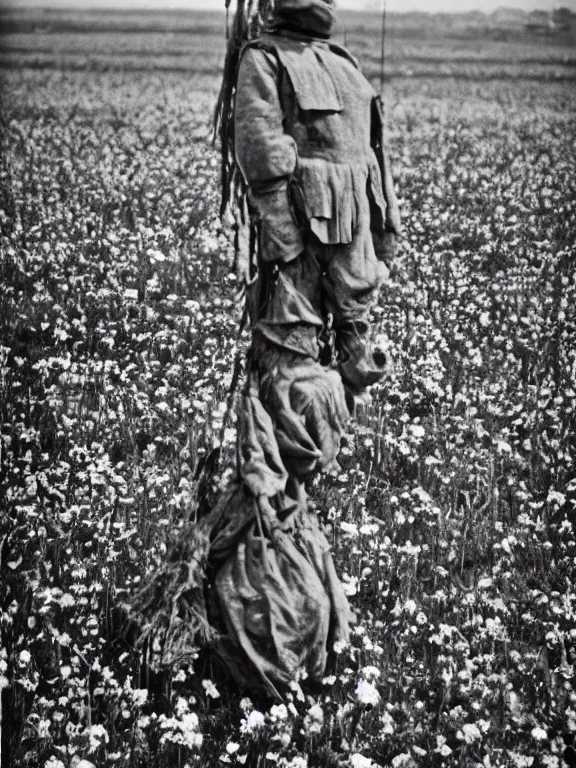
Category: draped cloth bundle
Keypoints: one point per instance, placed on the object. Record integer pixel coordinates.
(275, 599)
(254, 580)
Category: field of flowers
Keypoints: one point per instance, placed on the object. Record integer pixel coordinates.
(452, 519)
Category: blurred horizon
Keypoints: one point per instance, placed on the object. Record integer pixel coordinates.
(392, 6)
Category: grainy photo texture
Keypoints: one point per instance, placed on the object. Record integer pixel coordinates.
(287, 384)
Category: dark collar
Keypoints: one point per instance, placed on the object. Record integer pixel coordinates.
(295, 33)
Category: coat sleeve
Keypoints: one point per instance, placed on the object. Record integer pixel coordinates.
(266, 154)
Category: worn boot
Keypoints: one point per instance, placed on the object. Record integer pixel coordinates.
(360, 365)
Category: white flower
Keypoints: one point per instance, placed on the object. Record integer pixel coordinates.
(441, 747)
(315, 713)
(297, 688)
(405, 760)
(484, 583)
(53, 762)
(359, 761)
(189, 728)
(484, 725)
(349, 585)
(183, 730)
(298, 762)
(539, 734)
(314, 719)
(556, 498)
(388, 724)
(190, 720)
(232, 747)
(155, 255)
(369, 529)
(254, 720)
(520, 761)
(181, 706)
(210, 688)
(484, 319)
(350, 528)
(410, 607)
(25, 657)
(139, 696)
(97, 735)
(65, 672)
(370, 673)
(278, 712)
(285, 740)
(367, 693)
(67, 600)
(469, 733)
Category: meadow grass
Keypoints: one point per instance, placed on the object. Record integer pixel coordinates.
(452, 518)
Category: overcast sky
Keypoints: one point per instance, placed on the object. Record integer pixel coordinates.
(392, 5)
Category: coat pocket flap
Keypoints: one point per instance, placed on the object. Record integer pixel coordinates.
(312, 82)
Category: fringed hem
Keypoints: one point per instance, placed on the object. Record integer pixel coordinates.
(335, 195)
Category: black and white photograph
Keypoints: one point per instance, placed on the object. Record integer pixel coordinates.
(287, 383)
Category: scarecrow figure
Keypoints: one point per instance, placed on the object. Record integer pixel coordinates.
(306, 135)
(302, 145)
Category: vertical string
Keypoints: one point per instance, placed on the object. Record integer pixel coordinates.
(383, 48)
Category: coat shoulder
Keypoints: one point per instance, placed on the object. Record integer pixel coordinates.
(274, 43)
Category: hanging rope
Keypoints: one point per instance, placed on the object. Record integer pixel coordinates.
(383, 50)
(248, 22)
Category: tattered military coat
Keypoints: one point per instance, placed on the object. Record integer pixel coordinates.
(308, 140)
